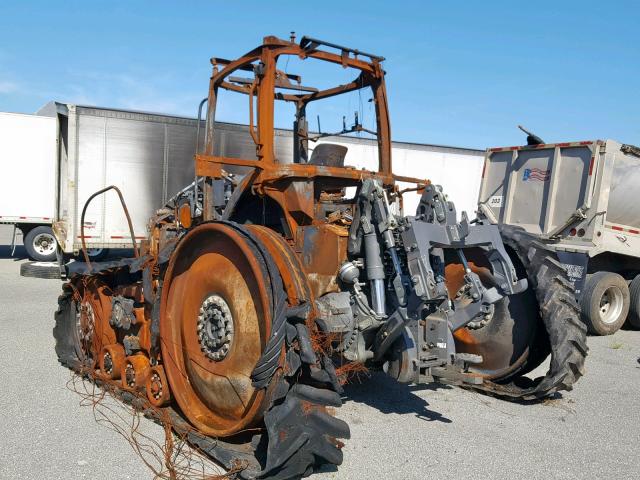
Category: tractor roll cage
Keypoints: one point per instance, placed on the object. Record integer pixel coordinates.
(267, 86)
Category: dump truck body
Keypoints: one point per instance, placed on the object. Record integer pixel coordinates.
(579, 196)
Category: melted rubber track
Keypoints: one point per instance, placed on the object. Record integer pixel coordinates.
(561, 317)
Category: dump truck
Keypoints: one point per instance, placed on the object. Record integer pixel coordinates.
(261, 288)
(577, 197)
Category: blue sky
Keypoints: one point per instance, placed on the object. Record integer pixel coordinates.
(459, 73)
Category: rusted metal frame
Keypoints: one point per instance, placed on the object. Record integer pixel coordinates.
(330, 92)
(292, 170)
(211, 166)
(383, 126)
(136, 252)
(266, 91)
(313, 43)
(359, 83)
(244, 89)
(255, 138)
(340, 60)
(211, 116)
(285, 46)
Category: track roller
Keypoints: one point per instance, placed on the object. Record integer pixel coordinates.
(157, 387)
(135, 371)
(111, 361)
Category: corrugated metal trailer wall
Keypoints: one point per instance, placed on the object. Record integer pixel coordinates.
(150, 158)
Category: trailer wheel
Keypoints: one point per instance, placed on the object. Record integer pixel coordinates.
(41, 244)
(604, 303)
(95, 254)
(634, 307)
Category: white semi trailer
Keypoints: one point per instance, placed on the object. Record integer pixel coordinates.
(581, 198)
(55, 160)
(27, 185)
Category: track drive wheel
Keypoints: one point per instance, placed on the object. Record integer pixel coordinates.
(215, 321)
(237, 355)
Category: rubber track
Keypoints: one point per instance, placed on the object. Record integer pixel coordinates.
(301, 431)
(65, 347)
(560, 315)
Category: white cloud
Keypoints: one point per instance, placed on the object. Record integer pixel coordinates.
(8, 87)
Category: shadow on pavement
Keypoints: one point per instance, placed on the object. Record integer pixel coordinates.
(20, 253)
(388, 396)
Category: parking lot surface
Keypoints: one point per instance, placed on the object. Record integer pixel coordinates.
(398, 431)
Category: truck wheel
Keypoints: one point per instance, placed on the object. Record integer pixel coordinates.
(41, 244)
(95, 254)
(634, 307)
(604, 303)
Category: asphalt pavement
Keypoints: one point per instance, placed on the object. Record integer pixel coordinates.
(398, 431)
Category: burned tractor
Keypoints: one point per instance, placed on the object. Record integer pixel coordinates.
(265, 282)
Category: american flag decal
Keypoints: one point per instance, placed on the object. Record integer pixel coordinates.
(536, 174)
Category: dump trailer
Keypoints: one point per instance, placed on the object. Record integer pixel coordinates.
(255, 296)
(578, 198)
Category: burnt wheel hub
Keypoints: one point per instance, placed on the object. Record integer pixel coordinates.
(108, 363)
(463, 298)
(156, 386)
(215, 328)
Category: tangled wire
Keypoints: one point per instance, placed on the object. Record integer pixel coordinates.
(168, 458)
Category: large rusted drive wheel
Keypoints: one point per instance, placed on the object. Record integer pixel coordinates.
(215, 321)
(522, 330)
(507, 337)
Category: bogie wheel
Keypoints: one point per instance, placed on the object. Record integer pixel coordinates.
(604, 303)
(157, 387)
(111, 361)
(634, 303)
(135, 371)
(215, 321)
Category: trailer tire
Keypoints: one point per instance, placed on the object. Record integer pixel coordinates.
(95, 254)
(634, 306)
(604, 303)
(41, 244)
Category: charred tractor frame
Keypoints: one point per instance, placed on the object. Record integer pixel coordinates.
(263, 283)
